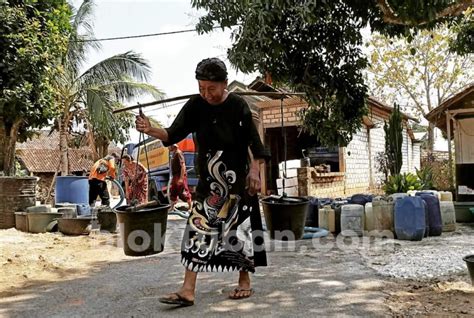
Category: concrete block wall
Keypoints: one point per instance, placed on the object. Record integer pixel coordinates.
(377, 143)
(357, 163)
(416, 155)
(406, 158)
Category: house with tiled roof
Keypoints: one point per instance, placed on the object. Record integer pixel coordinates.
(40, 156)
(348, 170)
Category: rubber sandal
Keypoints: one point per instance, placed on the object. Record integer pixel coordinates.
(238, 289)
(179, 300)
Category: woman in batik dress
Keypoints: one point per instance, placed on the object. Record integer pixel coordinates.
(224, 230)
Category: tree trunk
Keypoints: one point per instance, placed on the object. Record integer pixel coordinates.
(103, 146)
(63, 149)
(8, 138)
(3, 141)
(430, 144)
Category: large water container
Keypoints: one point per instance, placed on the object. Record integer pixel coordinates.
(409, 218)
(73, 189)
(327, 218)
(369, 217)
(324, 201)
(432, 192)
(361, 199)
(383, 213)
(312, 214)
(434, 214)
(448, 215)
(445, 196)
(352, 219)
(399, 195)
(337, 217)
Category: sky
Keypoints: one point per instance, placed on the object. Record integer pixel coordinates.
(173, 58)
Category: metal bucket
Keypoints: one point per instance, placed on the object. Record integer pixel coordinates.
(285, 217)
(142, 231)
(74, 226)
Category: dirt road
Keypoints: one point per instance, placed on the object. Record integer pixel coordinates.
(51, 275)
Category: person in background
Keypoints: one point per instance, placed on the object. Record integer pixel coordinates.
(102, 169)
(179, 181)
(135, 177)
(224, 228)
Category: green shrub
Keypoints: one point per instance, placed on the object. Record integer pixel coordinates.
(402, 183)
(425, 174)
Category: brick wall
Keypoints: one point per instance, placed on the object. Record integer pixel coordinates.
(311, 183)
(272, 115)
(438, 155)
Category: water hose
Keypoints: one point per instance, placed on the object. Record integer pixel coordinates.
(309, 232)
(121, 192)
(314, 232)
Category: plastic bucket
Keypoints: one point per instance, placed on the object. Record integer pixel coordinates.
(469, 259)
(143, 231)
(107, 220)
(285, 217)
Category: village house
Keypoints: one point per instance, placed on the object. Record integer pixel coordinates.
(455, 117)
(352, 169)
(39, 157)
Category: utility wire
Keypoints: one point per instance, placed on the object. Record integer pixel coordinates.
(141, 35)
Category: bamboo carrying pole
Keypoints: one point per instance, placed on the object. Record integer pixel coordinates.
(173, 99)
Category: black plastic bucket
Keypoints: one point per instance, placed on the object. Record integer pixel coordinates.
(107, 221)
(469, 259)
(143, 231)
(285, 217)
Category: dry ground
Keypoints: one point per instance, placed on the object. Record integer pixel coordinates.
(28, 260)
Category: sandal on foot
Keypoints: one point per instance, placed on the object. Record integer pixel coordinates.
(176, 299)
(238, 290)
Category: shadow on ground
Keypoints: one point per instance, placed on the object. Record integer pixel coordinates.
(306, 282)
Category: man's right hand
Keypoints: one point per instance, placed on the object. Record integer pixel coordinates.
(142, 123)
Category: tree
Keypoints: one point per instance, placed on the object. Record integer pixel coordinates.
(87, 98)
(393, 141)
(463, 43)
(33, 40)
(420, 70)
(314, 47)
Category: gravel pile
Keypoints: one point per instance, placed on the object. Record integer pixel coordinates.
(430, 258)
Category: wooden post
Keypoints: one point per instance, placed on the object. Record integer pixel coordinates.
(448, 128)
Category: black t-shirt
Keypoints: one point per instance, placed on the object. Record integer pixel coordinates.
(226, 128)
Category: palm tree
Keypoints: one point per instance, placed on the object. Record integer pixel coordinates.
(88, 98)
